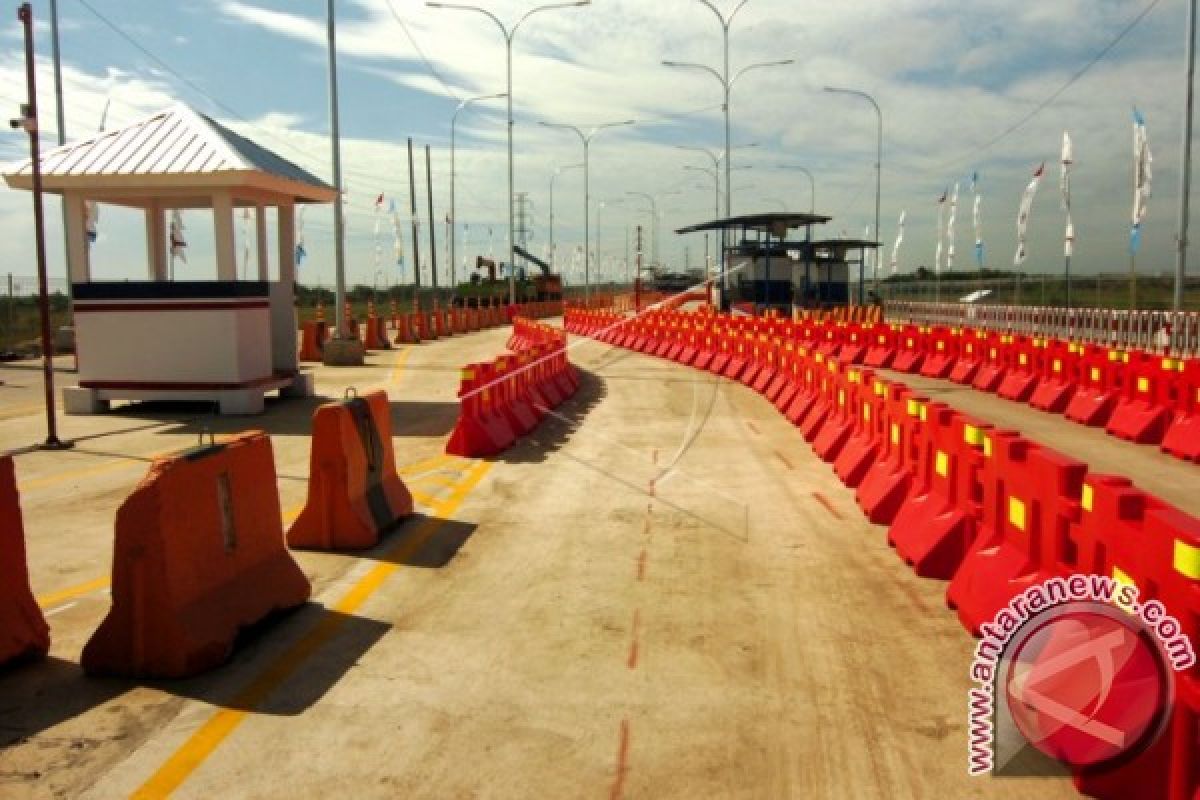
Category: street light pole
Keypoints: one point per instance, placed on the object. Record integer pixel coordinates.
(557, 171)
(509, 35)
(878, 166)
(586, 139)
(1184, 195)
(812, 206)
(453, 175)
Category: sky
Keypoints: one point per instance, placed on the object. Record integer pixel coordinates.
(952, 79)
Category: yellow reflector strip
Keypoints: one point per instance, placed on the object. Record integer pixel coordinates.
(910, 342)
(987, 447)
(841, 398)
(972, 435)
(942, 464)
(1125, 357)
(1089, 498)
(819, 357)
(1168, 363)
(1016, 513)
(1121, 577)
(993, 353)
(852, 376)
(1057, 365)
(468, 375)
(880, 389)
(1143, 385)
(895, 434)
(1187, 560)
(924, 414)
(1095, 374)
(883, 340)
(867, 411)
(1024, 359)
(913, 408)
(941, 346)
(970, 347)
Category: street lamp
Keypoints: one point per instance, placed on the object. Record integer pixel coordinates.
(812, 207)
(586, 139)
(453, 210)
(878, 166)
(653, 219)
(557, 171)
(509, 34)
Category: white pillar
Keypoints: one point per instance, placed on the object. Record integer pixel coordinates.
(260, 221)
(77, 243)
(222, 205)
(156, 243)
(287, 243)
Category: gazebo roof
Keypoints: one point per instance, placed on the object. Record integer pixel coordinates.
(172, 150)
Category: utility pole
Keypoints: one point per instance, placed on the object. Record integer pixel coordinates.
(523, 221)
(637, 278)
(432, 227)
(412, 195)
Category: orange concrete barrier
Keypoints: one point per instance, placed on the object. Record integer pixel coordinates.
(354, 493)
(23, 631)
(199, 555)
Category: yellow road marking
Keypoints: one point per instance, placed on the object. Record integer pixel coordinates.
(55, 598)
(428, 465)
(171, 775)
(398, 366)
(438, 478)
(427, 500)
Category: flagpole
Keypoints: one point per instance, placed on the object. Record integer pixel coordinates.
(1185, 189)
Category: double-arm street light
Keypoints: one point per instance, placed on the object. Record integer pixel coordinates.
(724, 79)
(453, 211)
(557, 171)
(812, 182)
(878, 165)
(586, 139)
(509, 34)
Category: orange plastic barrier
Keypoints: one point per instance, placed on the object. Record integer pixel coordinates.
(508, 397)
(199, 555)
(354, 493)
(375, 336)
(23, 631)
(312, 341)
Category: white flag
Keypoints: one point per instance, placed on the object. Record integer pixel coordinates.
(937, 256)
(1068, 158)
(950, 228)
(1142, 161)
(91, 215)
(978, 220)
(1023, 214)
(178, 245)
(899, 240)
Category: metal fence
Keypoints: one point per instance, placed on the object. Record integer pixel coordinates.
(1145, 293)
(1162, 331)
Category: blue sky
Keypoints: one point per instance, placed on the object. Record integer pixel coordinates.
(949, 76)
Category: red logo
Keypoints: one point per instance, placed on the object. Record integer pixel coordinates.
(1087, 685)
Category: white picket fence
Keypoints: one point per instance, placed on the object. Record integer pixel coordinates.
(1177, 333)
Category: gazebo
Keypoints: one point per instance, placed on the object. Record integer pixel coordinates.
(226, 340)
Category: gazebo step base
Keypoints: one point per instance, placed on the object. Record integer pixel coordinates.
(230, 400)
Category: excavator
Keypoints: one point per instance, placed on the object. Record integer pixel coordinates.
(546, 287)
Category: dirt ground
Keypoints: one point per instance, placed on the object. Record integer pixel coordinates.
(661, 593)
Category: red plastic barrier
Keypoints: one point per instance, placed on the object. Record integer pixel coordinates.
(910, 351)
(1024, 366)
(886, 484)
(837, 428)
(972, 346)
(994, 366)
(198, 556)
(481, 429)
(942, 347)
(1030, 497)
(1143, 410)
(936, 523)
(23, 630)
(354, 493)
(868, 434)
(1183, 434)
(824, 399)
(881, 350)
(1096, 396)
(1059, 378)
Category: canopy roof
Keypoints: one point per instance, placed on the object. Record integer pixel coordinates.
(848, 244)
(172, 150)
(777, 223)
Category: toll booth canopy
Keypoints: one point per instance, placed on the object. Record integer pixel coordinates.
(772, 261)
